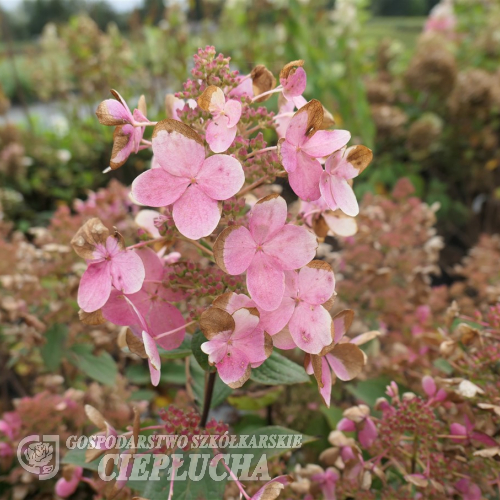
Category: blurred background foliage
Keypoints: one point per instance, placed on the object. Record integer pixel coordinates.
(429, 106)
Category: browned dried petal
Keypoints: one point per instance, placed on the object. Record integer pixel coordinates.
(262, 81)
(347, 315)
(320, 227)
(272, 490)
(330, 456)
(92, 233)
(135, 345)
(268, 344)
(222, 300)
(359, 157)
(467, 334)
(141, 105)
(68, 472)
(92, 454)
(94, 318)
(169, 105)
(242, 380)
(170, 126)
(205, 98)
(329, 304)
(95, 416)
(320, 264)
(314, 110)
(214, 321)
(105, 117)
(328, 120)
(317, 364)
(291, 66)
(120, 141)
(351, 357)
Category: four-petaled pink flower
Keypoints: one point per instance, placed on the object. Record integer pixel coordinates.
(265, 250)
(306, 292)
(358, 419)
(327, 481)
(303, 143)
(340, 168)
(293, 80)
(110, 264)
(192, 183)
(222, 128)
(236, 343)
(127, 137)
(466, 433)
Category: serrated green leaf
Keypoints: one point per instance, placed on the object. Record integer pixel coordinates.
(101, 368)
(278, 370)
(255, 400)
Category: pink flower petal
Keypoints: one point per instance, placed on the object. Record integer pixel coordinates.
(326, 380)
(237, 301)
(325, 142)
(217, 101)
(232, 109)
(325, 187)
(118, 310)
(221, 177)
(342, 226)
(217, 347)
(265, 282)
(283, 340)
(338, 367)
(275, 321)
(238, 249)
(127, 271)
(95, 286)
(163, 317)
(145, 219)
(288, 153)
(306, 178)
(245, 323)
(296, 131)
(118, 111)
(177, 154)
(340, 167)
(346, 425)
(151, 350)
(233, 366)
(252, 345)
(157, 188)
(154, 374)
(267, 217)
(344, 196)
(310, 327)
(316, 285)
(295, 84)
(219, 135)
(368, 433)
(195, 214)
(293, 247)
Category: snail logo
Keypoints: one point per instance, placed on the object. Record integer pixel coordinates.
(39, 456)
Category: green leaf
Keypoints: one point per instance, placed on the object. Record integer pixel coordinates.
(53, 349)
(443, 365)
(101, 368)
(278, 370)
(333, 415)
(221, 390)
(369, 391)
(200, 356)
(77, 457)
(188, 489)
(252, 401)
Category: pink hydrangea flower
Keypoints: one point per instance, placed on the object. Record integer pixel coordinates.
(442, 18)
(306, 291)
(244, 87)
(343, 360)
(127, 137)
(236, 343)
(340, 168)
(293, 80)
(303, 144)
(466, 433)
(153, 301)
(468, 489)
(265, 250)
(358, 419)
(66, 487)
(110, 265)
(187, 180)
(222, 128)
(327, 481)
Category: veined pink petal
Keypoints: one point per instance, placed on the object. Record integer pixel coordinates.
(217, 347)
(265, 282)
(232, 109)
(334, 160)
(338, 367)
(295, 84)
(125, 150)
(95, 286)
(342, 168)
(163, 317)
(118, 111)
(245, 323)
(325, 187)
(151, 350)
(316, 286)
(325, 142)
(233, 366)
(274, 321)
(158, 188)
(299, 101)
(326, 379)
(127, 271)
(310, 327)
(118, 310)
(252, 345)
(152, 263)
(267, 217)
(221, 177)
(344, 196)
(237, 301)
(239, 249)
(297, 129)
(305, 179)
(219, 135)
(145, 219)
(154, 374)
(178, 154)
(343, 226)
(195, 214)
(293, 247)
(283, 340)
(288, 153)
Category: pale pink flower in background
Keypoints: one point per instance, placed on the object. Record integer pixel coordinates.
(265, 250)
(358, 419)
(187, 180)
(303, 144)
(340, 168)
(66, 487)
(430, 388)
(468, 489)
(442, 18)
(327, 481)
